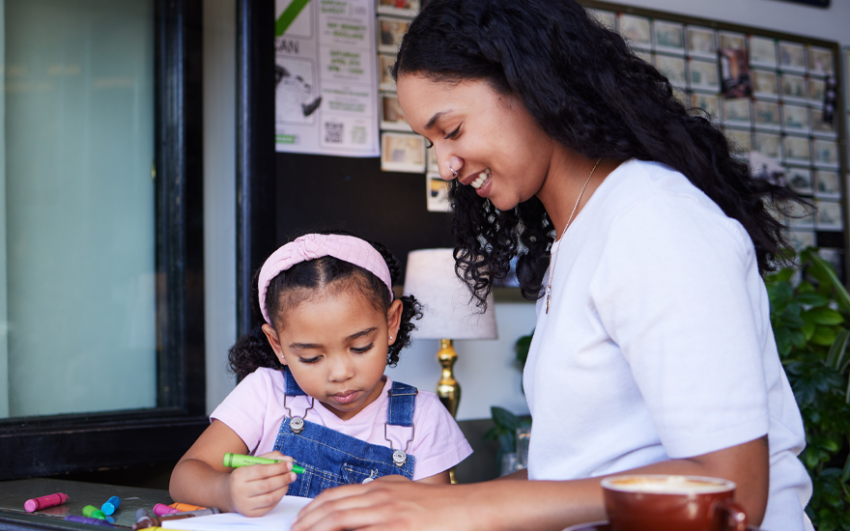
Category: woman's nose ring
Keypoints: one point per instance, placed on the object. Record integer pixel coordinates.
(454, 173)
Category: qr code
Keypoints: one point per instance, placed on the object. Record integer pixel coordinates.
(333, 132)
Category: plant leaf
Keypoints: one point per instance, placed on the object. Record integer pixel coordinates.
(825, 316)
(846, 473)
(824, 336)
(812, 298)
(838, 349)
(842, 297)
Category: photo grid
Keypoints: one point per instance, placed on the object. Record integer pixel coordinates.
(768, 96)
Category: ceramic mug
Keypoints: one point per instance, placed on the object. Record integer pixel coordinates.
(649, 502)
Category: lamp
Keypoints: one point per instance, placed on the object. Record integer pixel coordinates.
(448, 313)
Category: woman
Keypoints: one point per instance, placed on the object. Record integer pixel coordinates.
(643, 241)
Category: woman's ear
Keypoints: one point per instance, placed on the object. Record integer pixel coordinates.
(274, 341)
(394, 320)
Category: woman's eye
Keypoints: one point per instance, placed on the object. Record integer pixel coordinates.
(430, 144)
(361, 350)
(309, 360)
(453, 133)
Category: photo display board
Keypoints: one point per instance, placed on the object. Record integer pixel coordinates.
(780, 99)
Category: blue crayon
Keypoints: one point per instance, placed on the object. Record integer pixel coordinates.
(111, 504)
(87, 520)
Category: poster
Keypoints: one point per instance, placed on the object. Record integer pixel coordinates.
(326, 78)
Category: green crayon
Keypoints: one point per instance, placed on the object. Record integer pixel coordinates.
(237, 460)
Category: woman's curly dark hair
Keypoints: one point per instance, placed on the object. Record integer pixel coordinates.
(291, 287)
(585, 89)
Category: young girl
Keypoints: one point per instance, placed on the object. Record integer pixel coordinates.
(314, 390)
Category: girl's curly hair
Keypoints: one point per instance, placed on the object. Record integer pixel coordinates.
(587, 90)
(292, 286)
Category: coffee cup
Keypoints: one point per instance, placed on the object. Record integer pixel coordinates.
(650, 502)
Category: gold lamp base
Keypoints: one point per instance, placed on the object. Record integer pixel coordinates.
(448, 390)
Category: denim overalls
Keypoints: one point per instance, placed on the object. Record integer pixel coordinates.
(331, 458)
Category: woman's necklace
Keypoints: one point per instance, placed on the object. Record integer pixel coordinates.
(569, 221)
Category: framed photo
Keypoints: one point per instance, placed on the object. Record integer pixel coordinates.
(800, 239)
(821, 61)
(401, 8)
(437, 191)
(825, 153)
(765, 84)
(766, 115)
(800, 180)
(682, 96)
(710, 103)
(433, 165)
(792, 57)
(673, 68)
(816, 90)
(606, 18)
(385, 76)
(736, 111)
(701, 42)
(829, 216)
(768, 144)
(732, 41)
(636, 31)
(734, 73)
(800, 216)
(795, 118)
(740, 140)
(390, 33)
(392, 117)
(703, 75)
(820, 127)
(827, 184)
(645, 56)
(793, 88)
(669, 37)
(796, 149)
(762, 52)
(402, 152)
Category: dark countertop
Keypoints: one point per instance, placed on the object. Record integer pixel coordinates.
(14, 493)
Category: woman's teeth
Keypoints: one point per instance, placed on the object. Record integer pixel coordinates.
(481, 179)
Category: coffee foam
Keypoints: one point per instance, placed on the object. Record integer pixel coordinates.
(667, 485)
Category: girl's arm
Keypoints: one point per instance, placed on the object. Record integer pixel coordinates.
(200, 477)
(437, 479)
(539, 505)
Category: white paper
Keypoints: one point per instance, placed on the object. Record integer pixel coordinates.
(327, 82)
(280, 518)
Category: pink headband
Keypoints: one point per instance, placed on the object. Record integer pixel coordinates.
(312, 246)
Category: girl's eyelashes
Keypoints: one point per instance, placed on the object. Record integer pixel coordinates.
(362, 350)
(309, 360)
(430, 144)
(453, 133)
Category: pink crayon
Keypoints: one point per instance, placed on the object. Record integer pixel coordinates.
(43, 502)
(160, 509)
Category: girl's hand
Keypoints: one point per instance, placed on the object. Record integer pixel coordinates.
(254, 490)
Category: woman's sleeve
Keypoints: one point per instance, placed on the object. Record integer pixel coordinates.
(678, 290)
(438, 443)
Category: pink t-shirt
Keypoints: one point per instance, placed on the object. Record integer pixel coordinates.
(254, 410)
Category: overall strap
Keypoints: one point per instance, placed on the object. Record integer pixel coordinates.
(401, 406)
(292, 387)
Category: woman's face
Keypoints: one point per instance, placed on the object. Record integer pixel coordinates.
(489, 139)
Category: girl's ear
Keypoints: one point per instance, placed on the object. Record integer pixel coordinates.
(274, 341)
(394, 320)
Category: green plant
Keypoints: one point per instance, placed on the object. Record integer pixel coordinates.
(504, 430)
(809, 321)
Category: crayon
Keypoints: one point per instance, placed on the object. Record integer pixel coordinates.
(141, 513)
(238, 460)
(161, 509)
(93, 512)
(87, 520)
(199, 512)
(186, 507)
(44, 502)
(111, 504)
(156, 521)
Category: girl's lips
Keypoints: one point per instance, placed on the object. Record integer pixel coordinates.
(484, 190)
(345, 397)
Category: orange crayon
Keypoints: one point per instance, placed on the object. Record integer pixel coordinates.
(182, 507)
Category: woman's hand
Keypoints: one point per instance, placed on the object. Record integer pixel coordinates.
(256, 489)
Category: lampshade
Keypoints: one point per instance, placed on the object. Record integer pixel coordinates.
(448, 312)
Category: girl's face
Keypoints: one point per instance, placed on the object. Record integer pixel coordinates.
(335, 343)
(474, 129)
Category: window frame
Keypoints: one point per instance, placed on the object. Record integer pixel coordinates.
(50, 445)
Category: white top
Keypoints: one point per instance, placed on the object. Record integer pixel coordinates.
(658, 343)
(254, 410)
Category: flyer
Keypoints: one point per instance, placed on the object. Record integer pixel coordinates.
(326, 78)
